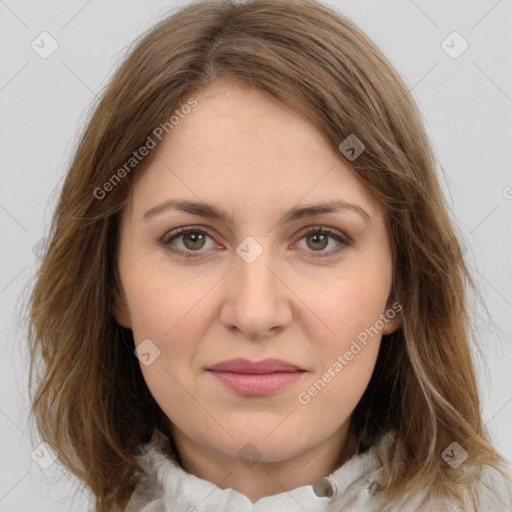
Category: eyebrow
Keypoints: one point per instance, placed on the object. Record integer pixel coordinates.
(298, 212)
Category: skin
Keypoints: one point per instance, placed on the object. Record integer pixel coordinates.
(247, 153)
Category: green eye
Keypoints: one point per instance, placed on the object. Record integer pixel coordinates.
(194, 239)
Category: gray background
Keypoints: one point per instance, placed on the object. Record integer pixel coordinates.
(466, 103)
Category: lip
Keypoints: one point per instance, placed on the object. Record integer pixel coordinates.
(241, 365)
(256, 378)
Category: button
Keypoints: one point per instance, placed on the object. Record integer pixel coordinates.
(323, 488)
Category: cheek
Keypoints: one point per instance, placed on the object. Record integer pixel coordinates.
(173, 310)
(164, 301)
(346, 344)
(349, 306)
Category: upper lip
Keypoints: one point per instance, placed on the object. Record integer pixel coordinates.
(241, 365)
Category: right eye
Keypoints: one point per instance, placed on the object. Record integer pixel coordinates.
(192, 241)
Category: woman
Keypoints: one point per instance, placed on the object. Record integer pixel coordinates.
(254, 298)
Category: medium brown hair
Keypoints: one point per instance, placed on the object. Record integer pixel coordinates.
(90, 400)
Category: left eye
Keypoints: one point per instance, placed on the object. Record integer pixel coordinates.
(319, 239)
(194, 239)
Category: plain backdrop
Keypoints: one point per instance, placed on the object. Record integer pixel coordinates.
(466, 101)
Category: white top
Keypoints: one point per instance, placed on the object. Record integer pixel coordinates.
(349, 488)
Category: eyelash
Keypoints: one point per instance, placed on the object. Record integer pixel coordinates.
(317, 230)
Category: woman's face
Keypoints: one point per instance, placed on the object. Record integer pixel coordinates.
(261, 283)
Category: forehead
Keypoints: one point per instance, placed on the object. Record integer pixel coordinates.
(242, 148)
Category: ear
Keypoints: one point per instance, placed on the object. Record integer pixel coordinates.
(120, 308)
(392, 315)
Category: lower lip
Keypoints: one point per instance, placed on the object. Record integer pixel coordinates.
(257, 383)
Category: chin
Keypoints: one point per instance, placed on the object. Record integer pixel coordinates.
(269, 444)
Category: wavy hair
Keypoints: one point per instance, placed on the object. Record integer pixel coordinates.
(88, 396)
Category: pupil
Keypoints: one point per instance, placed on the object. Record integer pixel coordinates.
(195, 237)
(322, 237)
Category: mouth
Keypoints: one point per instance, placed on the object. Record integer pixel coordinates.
(256, 378)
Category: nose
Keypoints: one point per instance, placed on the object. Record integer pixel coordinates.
(257, 299)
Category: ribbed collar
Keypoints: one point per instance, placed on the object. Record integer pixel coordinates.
(171, 488)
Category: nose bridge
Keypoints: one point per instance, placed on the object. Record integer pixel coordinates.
(255, 281)
(255, 302)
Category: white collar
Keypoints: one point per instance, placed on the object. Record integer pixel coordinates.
(171, 488)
